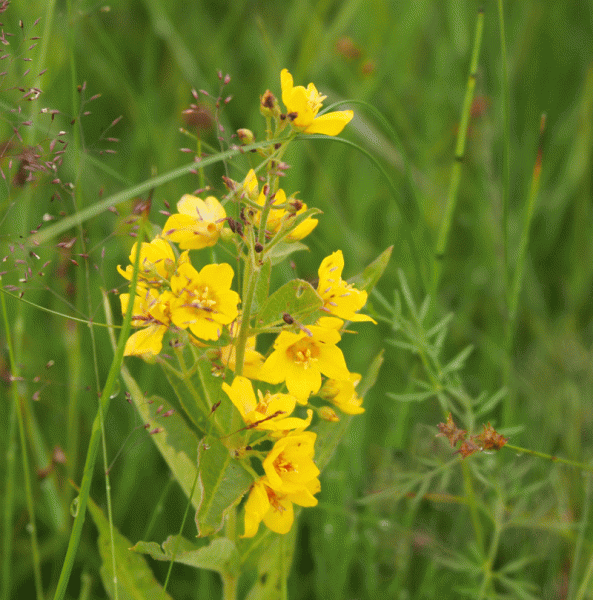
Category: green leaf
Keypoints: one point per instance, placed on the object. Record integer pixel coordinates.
(274, 565)
(297, 298)
(262, 288)
(459, 361)
(372, 273)
(282, 250)
(412, 397)
(134, 578)
(220, 555)
(177, 443)
(222, 482)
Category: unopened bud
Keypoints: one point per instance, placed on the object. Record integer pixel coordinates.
(268, 105)
(246, 136)
(328, 414)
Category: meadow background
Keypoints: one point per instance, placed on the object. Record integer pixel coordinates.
(400, 516)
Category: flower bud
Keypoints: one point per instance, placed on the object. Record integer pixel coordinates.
(246, 136)
(328, 414)
(268, 105)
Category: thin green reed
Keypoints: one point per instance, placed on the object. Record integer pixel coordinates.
(520, 269)
(11, 452)
(96, 432)
(19, 397)
(506, 174)
(443, 236)
(84, 278)
(506, 156)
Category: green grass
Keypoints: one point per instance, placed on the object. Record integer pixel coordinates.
(399, 515)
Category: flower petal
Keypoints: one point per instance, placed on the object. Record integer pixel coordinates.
(330, 123)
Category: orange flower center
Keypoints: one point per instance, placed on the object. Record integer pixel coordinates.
(304, 352)
(201, 299)
(275, 500)
(282, 465)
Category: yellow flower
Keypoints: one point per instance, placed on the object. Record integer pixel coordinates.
(339, 298)
(289, 465)
(303, 104)
(343, 394)
(204, 301)
(300, 359)
(277, 217)
(157, 263)
(151, 312)
(198, 223)
(275, 508)
(269, 411)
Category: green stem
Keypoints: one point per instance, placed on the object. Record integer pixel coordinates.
(506, 157)
(229, 586)
(443, 236)
(18, 409)
(95, 438)
(487, 568)
(11, 451)
(564, 461)
(473, 506)
(101, 206)
(513, 302)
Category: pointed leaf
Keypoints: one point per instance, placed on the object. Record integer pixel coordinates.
(222, 482)
(274, 565)
(372, 273)
(177, 443)
(411, 397)
(134, 577)
(459, 361)
(283, 250)
(220, 555)
(297, 298)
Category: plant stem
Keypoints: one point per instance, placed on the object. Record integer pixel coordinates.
(95, 438)
(443, 237)
(564, 461)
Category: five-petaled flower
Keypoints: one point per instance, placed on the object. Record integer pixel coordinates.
(343, 394)
(301, 358)
(274, 508)
(157, 262)
(197, 224)
(203, 300)
(340, 298)
(150, 312)
(303, 104)
(268, 412)
(278, 217)
(289, 465)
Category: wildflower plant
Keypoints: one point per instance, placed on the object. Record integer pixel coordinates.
(242, 432)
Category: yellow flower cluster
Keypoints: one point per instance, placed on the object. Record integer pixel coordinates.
(305, 361)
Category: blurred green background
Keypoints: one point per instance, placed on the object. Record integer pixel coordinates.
(410, 60)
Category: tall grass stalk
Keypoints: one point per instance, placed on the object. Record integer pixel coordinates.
(520, 270)
(18, 410)
(443, 235)
(96, 433)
